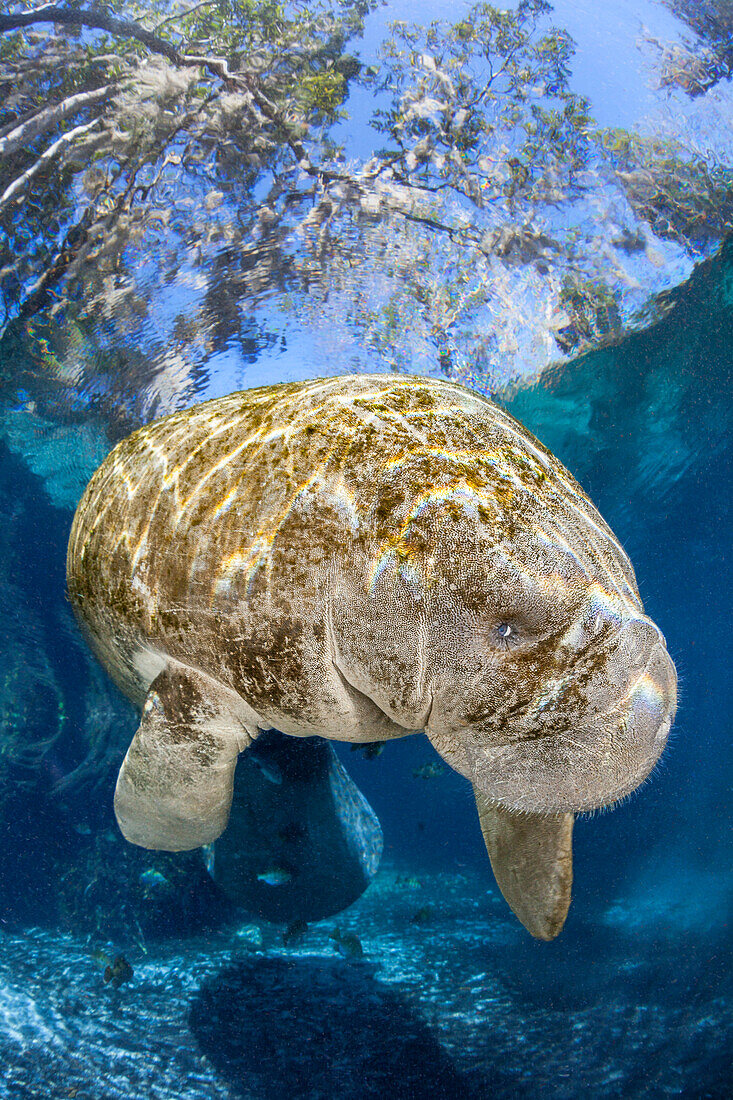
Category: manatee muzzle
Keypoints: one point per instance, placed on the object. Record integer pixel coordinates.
(602, 759)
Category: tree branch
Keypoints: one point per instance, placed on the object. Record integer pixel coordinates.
(78, 236)
(97, 20)
(47, 119)
(121, 28)
(184, 14)
(19, 185)
(126, 28)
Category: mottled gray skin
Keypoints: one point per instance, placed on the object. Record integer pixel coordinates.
(343, 557)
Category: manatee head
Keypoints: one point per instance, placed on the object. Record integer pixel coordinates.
(512, 630)
(552, 691)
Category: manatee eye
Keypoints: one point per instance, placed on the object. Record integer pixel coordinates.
(504, 631)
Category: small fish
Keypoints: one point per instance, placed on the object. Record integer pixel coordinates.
(268, 768)
(371, 750)
(294, 931)
(153, 883)
(411, 882)
(424, 915)
(428, 771)
(251, 934)
(275, 876)
(347, 944)
(101, 957)
(118, 972)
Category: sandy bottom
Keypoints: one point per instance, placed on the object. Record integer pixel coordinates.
(450, 999)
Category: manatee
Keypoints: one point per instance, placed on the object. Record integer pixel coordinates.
(360, 558)
(302, 842)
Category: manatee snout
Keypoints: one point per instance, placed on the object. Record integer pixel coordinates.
(652, 702)
(598, 757)
(619, 746)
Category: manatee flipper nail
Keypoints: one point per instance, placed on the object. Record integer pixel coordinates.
(174, 790)
(532, 859)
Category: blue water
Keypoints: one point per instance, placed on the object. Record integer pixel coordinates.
(633, 999)
(451, 998)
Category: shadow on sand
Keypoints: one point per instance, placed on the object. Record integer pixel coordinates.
(318, 1028)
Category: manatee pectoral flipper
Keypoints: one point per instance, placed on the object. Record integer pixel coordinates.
(174, 790)
(532, 859)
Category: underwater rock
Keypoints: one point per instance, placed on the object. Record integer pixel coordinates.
(302, 848)
(361, 558)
